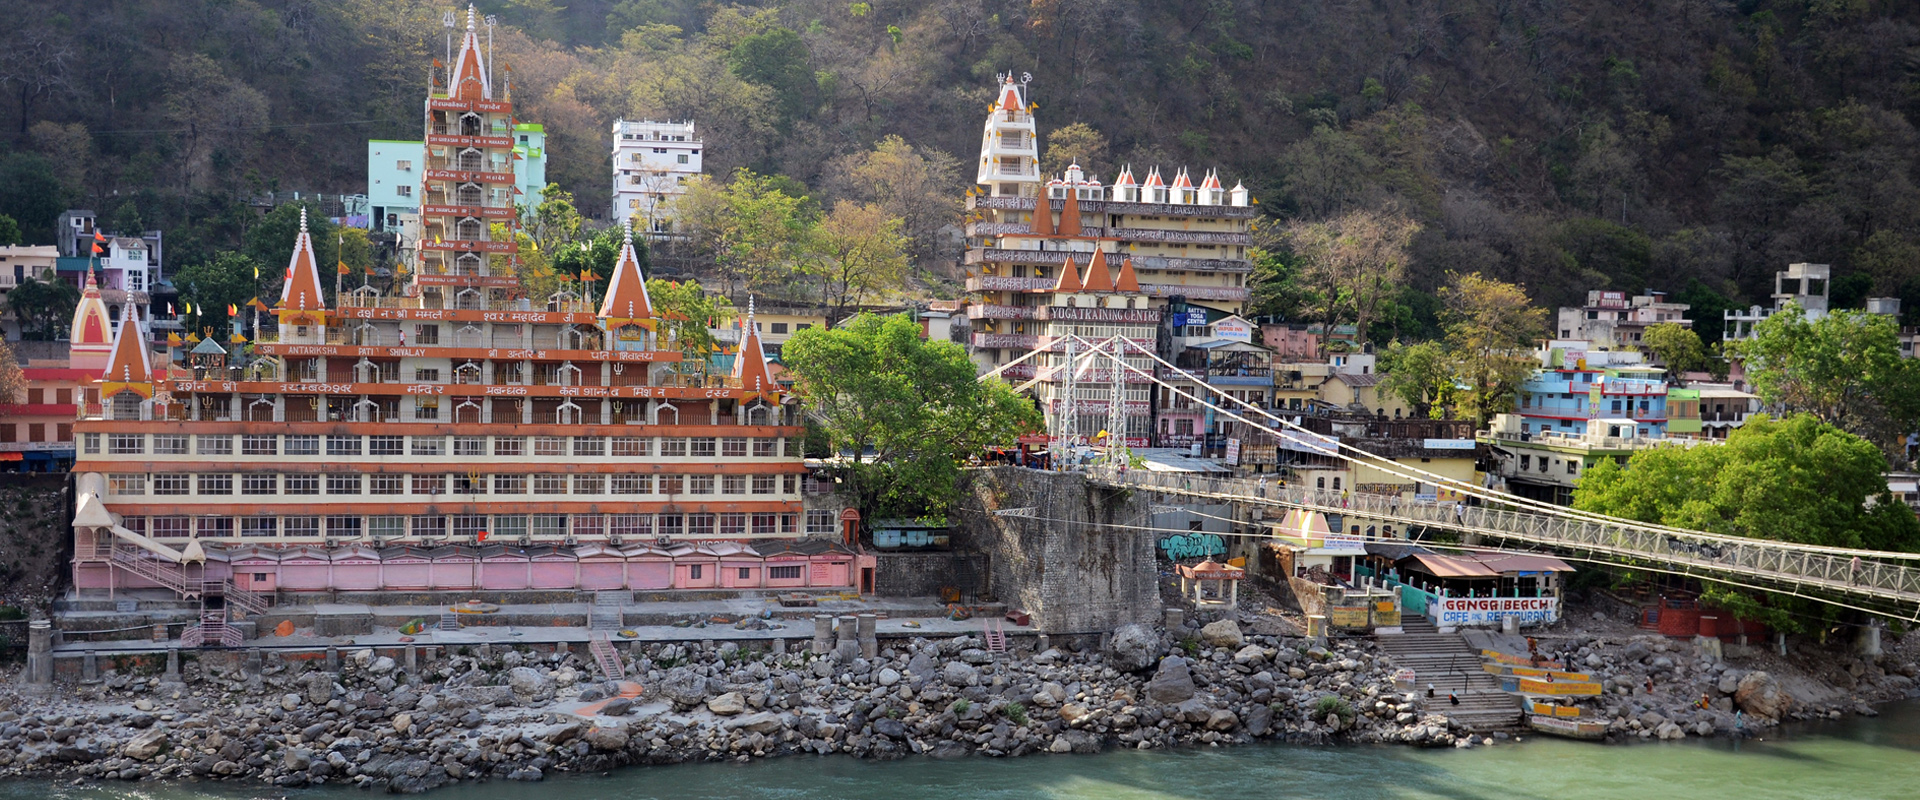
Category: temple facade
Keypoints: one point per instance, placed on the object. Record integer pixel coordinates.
(1051, 257)
(450, 434)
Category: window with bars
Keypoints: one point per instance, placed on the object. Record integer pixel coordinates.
(259, 444)
(589, 484)
(790, 484)
(700, 448)
(303, 445)
(509, 445)
(429, 484)
(214, 445)
(789, 523)
(819, 522)
(549, 484)
(343, 484)
(127, 484)
(589, 445)
(259, 527)
(631, 484)
(469, 484)
(429, 525)
(429, 445)
(206, 527)
(765, 524)
(338, 445)
(169, 444)
(171, 527)
(387, 527)
(631, 446)
(548, 525)
(699, 484)
(766, 448)
(386, 445)
(214, 484)
(788, 573)
(467, 526)
(733, 484)
(549, 445)
(386, 484)
(667, 524)
(301, 484)
(699, 524)
(300, 526)
(587, 525)
(260, 483)
(733, 447)
(795, 447)
(673, 447)
(509, 484)
(170, 484)
(469, 445)
(673, 484)
(733, 524)
(630, 525)
(126, 444)
(343, 526)
(763, 484)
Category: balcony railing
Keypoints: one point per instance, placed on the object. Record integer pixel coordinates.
(978, 311)
(1180, 237)
(998, 283)
(1195, 292)
(999, 255)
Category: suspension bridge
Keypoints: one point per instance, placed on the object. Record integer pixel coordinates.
(1876, 582)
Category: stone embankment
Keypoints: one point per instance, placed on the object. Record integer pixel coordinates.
(513, 715)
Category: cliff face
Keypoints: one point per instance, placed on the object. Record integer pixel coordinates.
(36, 538)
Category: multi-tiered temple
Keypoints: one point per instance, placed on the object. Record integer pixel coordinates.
(450, 434)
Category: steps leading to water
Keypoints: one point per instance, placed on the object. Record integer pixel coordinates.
(1450, 666)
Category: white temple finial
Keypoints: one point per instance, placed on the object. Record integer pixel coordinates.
(303, 219)
(628, 224)
(749, 308)
(470, 13)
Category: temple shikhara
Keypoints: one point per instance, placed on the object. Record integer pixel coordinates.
(1050, 258)
(447, 433)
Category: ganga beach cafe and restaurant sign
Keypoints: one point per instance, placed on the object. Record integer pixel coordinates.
(1484, 587)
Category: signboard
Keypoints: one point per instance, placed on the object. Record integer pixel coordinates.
(1234, 328)
(1343, 543)
(1233, 452)
(1490, 610)
(1194, 319)
(1447, 444)
(1403, 678)
(1349, 616)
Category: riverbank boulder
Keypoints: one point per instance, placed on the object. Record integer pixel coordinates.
(1172, 683)
(1132, 648)
(1225, 633)
(1760, 695)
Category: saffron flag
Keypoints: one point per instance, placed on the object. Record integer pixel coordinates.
(98, 236)
(96, 250)
(233, 310)
(257, 305)
(174, 340)
(343, 267)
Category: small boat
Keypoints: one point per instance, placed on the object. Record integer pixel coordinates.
(1569, 728)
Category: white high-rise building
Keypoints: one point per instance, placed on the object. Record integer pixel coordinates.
(652, 162)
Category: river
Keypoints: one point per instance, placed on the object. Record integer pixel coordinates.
(1855, 759)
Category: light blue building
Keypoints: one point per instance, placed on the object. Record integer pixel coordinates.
(393, 184)
(1574, 385)
(530, 168)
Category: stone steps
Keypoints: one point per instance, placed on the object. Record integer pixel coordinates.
(1447, 663)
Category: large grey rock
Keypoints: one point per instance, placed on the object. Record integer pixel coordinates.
(1760, 695)
(147, 745)
(1636, 650)
(381, 665)
(1260, 720)
(1050, 695)
(960, 675)
(975, 655)
(608, 739)
(1222, 720)
(887, 677)
(319, 687)
(528, 682)
(1134, 647)
(1729, 682)
(684, 688)
(728, 704)
(1225, 633)
(922, 664)
(1172, 682)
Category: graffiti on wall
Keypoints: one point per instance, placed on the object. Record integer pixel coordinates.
(1192, 545)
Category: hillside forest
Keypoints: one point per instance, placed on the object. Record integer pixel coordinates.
(1687, 146)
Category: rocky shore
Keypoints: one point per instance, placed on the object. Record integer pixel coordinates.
(516, 715)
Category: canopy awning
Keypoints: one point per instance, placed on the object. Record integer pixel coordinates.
(1441, 566)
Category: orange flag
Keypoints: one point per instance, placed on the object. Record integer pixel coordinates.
(233, 310)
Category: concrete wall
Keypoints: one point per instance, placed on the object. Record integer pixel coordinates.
(1071, 576)
(924, 574)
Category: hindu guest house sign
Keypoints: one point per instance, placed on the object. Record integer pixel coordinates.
(1234, 328)
(1490, 610)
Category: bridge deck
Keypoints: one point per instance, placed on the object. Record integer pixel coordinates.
(1780, 566)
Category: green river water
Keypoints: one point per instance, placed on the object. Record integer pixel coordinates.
(1855, 759)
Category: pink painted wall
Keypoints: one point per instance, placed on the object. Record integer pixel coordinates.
(406, 575)
(649, 574)
(304, 575)
(454, 573)
(730, 569)
(603, 573)
(356, 575)
(695, 573)
(504, 574)
(554, 574)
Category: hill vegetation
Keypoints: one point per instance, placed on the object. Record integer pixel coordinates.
(1692, 146)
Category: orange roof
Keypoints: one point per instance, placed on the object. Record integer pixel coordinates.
(131, 365)
(1212, 181)
(1069, 277)
(470, 80)
(1153, 178)
(750, 366)
(92, 328)
(627, 297)
(302, 292)
(1042, 216)
(1126, 177)
(1126, 282)
(1070, 213)
(1099, 278)
(1009, 97)
(1181, 181)
(1212, 570)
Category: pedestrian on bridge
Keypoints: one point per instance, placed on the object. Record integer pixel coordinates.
(1856, 570)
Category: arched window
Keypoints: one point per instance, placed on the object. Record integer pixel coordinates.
(471, 160)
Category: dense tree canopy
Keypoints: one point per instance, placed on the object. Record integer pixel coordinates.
(907, 411)
(1844, 368)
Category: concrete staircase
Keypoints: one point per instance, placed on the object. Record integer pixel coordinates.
(1449, 664)
(605, 657)
(608, 610)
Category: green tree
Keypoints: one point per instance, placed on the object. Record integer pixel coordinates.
(227, 279)
(919, 185)
(1844, 368)
(1490, 328)
(1421, 374)
(1760, 484)
(32, 195)
(911, 409)
(1354, 263)
(755, 232)
(13, 384)
(689, 313)
(777, 59)
(1078, 143)
(554, 221)
(270, 243)
(859, 254)
(1675, 347)
(126, 220)
(43, 307)
(9, 231)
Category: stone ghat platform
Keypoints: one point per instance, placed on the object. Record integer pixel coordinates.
(717, 613)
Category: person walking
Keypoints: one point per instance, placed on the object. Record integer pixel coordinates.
(1856, 571)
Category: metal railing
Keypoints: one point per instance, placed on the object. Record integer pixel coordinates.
(1825, 570)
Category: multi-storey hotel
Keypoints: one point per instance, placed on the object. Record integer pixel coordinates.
(1049, 258)
(452, 435)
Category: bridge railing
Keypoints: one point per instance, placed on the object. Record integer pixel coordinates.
(1774, 561)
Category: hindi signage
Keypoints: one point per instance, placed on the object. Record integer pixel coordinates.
(1490, 610)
